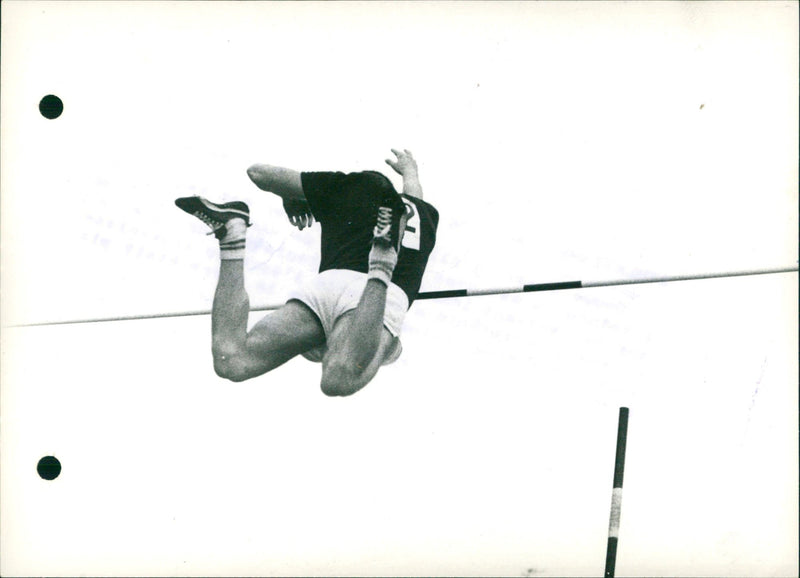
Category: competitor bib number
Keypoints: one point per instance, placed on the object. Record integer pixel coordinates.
(411, 238)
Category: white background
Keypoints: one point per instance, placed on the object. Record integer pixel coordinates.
(560, 141)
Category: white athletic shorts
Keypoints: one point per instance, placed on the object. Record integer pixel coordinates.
(334, 292)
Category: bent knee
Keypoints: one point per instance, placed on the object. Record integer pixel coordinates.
(342, 379)
(231, 368)
(230, 372)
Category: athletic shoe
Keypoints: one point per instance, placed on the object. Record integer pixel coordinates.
(214, 215)
(393, 214)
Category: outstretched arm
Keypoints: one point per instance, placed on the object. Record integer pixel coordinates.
(286, 184)
(406, 166)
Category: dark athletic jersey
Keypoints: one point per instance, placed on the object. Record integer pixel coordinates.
(346, 206)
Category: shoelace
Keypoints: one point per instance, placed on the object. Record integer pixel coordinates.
(384, 222)
(208, 221)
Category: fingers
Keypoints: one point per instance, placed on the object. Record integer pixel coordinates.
(299, 218)
(400, 154)
(302, 220)
(403, 161)
(404, 157)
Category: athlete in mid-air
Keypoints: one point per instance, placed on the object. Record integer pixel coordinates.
(375, 244)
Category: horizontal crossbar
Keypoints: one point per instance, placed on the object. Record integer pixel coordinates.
(450, 293)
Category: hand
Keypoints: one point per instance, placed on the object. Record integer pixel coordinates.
(405, 164)
(299, 213)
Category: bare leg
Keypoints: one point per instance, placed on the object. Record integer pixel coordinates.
(229, 317)
(279, 336)
(293, 329)
(366, 327)
(358, 344)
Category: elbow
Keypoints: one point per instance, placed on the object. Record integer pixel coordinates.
(255, 173)
(265, 177)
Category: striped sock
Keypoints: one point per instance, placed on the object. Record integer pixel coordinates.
(231, 246)
(382, 261)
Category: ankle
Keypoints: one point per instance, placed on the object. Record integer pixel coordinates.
(231, 245)
(382, 261)
(235, 230)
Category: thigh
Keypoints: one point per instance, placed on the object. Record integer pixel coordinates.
(289, 331)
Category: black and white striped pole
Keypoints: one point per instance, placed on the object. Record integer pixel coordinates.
(451, 293)
(616, 494)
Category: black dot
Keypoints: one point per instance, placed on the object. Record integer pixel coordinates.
(49, 468)
(51, 106)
